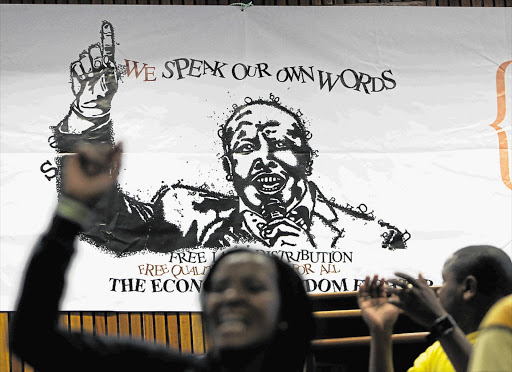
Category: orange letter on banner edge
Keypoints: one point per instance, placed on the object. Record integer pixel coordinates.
(502, 135)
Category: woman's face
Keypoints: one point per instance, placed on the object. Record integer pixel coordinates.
(242, 306)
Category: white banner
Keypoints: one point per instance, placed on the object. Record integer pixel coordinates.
(347, 141)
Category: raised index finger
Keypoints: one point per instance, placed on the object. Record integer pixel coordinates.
(107, 42)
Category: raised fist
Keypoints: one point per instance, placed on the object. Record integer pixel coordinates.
(94, 77)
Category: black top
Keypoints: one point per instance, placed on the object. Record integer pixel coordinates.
(35, 334)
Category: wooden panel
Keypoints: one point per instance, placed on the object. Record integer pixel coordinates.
(185, 334)
(4, 346)
(149, 327)
(99, 324)
(207, 341)
(64, 321)
(87, 322)
(197, 333)
(160, 331)
(123, 324)
(112, 329)
(173, 331)
(75, 324)
(136, 326)
(16, 364)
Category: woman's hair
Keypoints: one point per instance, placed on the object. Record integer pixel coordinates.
(292, 342)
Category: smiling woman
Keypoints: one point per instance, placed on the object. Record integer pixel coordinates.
(256, 309)
(257, 313)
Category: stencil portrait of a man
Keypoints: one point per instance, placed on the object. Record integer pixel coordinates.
(267, 158)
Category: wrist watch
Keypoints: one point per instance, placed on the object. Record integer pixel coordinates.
(442, 326)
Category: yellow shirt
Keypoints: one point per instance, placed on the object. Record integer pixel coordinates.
(493, 351)
(434, 359)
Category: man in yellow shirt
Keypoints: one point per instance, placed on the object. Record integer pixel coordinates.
(475, 278)
(434, 359)
(493, 351)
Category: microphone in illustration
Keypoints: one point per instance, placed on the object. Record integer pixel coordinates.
(272, 207)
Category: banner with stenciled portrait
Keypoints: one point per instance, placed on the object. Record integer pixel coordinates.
(345, 140)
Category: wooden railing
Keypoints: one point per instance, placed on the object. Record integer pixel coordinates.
(181, 331)
(337, 330)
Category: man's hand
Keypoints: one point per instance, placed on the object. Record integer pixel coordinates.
(378, 313)
(95, 77)
(284, 232)
(417, 299)
(91, 172)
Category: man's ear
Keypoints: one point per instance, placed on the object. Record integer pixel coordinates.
(470, 285)
(228, 167)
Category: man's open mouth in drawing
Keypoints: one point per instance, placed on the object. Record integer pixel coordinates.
(269, 183)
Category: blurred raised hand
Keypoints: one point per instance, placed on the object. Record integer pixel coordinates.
(91, 172)
(378, 313)
(417, 299)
